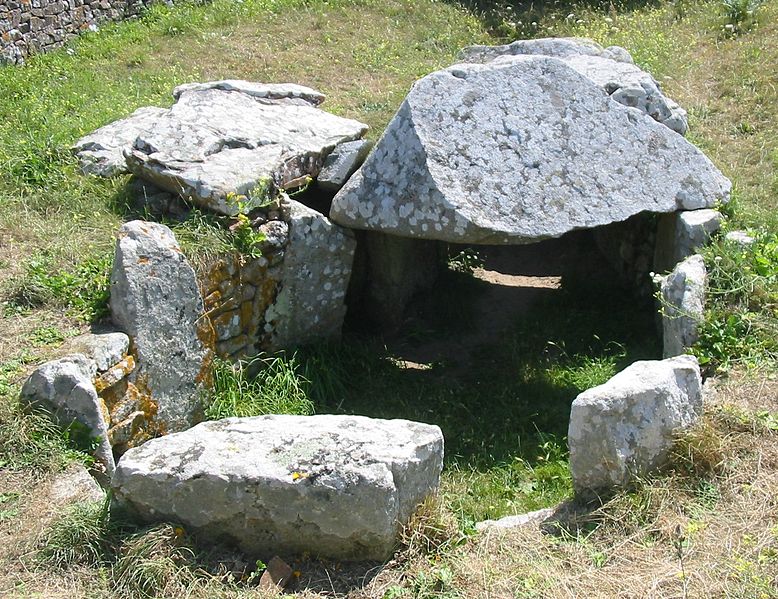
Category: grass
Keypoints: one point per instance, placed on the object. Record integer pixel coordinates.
(706, 526)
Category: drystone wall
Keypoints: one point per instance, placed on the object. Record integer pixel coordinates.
(33, 26)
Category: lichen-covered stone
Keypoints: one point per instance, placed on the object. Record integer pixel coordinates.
(313, 280)
(106, 349)
(683, 305)
(335, 486)
(224, 138)
(610, 68)
(680, 234)
(520, 151)
(64, 388)
(625, 428)
(156, 300)
(341, 164)
(102, 151)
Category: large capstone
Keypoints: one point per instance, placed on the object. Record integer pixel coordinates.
(610, 68)
(156, 300)
(225, 138)
(102, 152)
(623, 429)
(518, 150)
(336, 486)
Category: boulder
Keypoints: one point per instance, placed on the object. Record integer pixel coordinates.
(334, 486)
(518, 521)
(156, 300)
(626, 427)
(680, 234)
(519, 151)
(610, 68)
(106, 349)
(683, 305)
(560, 47)
(102, 152)
(341, 164)
(225, 138)
(741, 238)
(314, 278)
(64, 389)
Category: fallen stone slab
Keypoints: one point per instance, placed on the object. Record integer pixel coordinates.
(626, 427)
(219, 140)
(101, 152)
(683, 305)
(504, 153)
(267, 91)
(344, 160)
(155, 299)
(334, 486)
(64, 389)
(610, 68)
(742, 238)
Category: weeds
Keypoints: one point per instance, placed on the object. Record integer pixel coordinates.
(79, 537)
(740, 14)
(264, 385)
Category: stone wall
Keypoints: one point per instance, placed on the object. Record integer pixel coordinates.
(33, 26)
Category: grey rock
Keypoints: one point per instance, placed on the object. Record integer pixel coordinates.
(276, 234)
(341, 164)
(156, 300)
(106, 349)
(610, 68)
(504, 153)
(314, 280)
(680, 234)
(518, 521)
(739, 237)
(683, 305)
(264, 91)
(626, 427)
(560, 47)
(101, 152)
(213, 143)
(335, 486)
(64, 388)
(74, 484)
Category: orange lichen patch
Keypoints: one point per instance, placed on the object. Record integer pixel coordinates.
(212, 301)
(151, 427)
(115, 374)
(104, 410)
(246, 311)
(207, 336)
(143, 260)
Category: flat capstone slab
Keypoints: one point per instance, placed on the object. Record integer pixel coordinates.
(332, 486)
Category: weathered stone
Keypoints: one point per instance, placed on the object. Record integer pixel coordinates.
(518, 521)
(276, 234)
(213, 143)
(680, 234)
(264, 91)
(740, 237)
(313, 281)
(155, 299)
(561, 47)
(101, 152)
(64, 388)
(683, 305)
(502, 153)
(123, 432)
(336, 486)
(115, 374)
(612, 69)
(626, 427)
(74, 484)
(341, 164)
(106, 349)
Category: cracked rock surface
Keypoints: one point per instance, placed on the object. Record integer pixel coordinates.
(336, 486)
(520, 150)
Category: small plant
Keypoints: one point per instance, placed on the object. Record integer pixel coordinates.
(79, 537)
(466, 261)
(740, 14)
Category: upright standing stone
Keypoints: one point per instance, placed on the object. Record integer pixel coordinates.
(683, 305)
(680, 234)
(155, 299)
